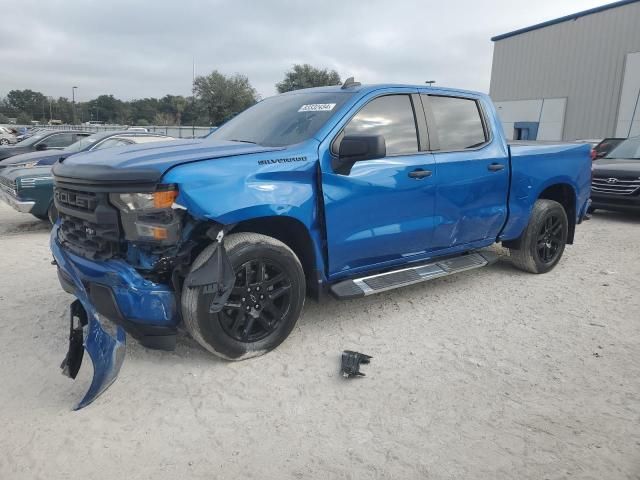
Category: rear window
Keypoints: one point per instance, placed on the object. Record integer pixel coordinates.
(458, 122)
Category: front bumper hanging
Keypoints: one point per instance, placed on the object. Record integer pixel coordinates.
(106, 351)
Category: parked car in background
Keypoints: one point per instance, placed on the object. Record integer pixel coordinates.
(43, 140)
(7, 137)
(26, 132)
(26, 183)
(616, 178)
(604, 147)
(137, 129)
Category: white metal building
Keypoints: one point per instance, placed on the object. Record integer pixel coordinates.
(574, 77)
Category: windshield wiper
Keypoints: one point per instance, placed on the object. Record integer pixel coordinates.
(244, 141)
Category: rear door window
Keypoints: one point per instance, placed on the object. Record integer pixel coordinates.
(458, 122)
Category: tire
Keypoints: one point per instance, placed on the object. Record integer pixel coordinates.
(4, 141)
(543, 241)
(52, 214)
(235, 333)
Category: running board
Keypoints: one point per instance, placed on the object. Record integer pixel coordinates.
(360, 287)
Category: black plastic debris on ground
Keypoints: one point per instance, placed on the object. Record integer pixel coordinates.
(351, 362)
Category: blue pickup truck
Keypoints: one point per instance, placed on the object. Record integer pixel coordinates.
(349, 190)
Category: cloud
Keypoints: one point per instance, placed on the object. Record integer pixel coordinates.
(146, 49)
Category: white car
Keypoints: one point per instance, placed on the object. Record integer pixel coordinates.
(6, 136)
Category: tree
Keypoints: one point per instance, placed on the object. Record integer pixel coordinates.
(23, 119)
(224, 96)
(26, 101)
(62, 110)
(307, 76)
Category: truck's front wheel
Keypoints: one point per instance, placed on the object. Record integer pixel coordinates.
(543, 241)
(263, 307)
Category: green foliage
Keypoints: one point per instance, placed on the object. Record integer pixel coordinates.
(224, 96)
(307, 76)
(218, 98)
(23, 119)
(27, 101)
(3, 118)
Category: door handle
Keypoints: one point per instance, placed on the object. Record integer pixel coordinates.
(419, 173)
(495, 167)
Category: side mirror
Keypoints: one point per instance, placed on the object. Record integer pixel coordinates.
(356, 148)
(41, 146)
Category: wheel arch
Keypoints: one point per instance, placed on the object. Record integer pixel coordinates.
(293, 233)
(565, 195)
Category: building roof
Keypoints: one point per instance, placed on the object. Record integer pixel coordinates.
(573, 16)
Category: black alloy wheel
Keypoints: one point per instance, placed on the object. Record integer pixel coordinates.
(549, 239)
(259, 301)
(263, 306)
(541, 245)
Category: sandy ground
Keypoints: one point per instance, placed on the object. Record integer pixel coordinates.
(492, 374)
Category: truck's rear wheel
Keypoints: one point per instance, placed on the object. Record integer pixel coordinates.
(263, 307)
(543, 241)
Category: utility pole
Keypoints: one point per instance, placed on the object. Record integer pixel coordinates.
(430, 82)
(193, 99)
(73, 103)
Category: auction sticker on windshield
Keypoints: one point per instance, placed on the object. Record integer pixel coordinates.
(317, 107)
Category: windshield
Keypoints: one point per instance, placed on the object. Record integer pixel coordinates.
(83, 144)
(629, 149)
(30, 140)
(282, 120)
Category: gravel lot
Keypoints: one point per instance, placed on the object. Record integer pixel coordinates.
(492, 374)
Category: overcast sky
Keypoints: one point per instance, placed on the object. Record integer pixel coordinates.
(135, 49)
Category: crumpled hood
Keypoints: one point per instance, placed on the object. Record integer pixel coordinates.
(33, 157)
(147, 163)
(616, 166)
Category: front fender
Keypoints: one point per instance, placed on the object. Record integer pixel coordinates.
(249, 187)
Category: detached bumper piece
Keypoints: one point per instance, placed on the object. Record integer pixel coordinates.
(71, 364)
(351, 362)
(106, 352)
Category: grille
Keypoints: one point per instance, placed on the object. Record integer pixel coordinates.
(616, 185)
(89, 225)
(8, 186)
(88, 239)
(83, 201)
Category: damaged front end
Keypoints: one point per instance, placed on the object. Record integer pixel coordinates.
(125, 257)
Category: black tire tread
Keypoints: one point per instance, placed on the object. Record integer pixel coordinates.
(232, 243)
(522, 257)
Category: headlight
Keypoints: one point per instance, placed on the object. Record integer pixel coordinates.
(149, 216)
(145, 201)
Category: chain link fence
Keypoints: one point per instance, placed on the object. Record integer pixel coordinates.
(171, 130)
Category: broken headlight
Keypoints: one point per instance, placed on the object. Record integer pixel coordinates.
(149, 216)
